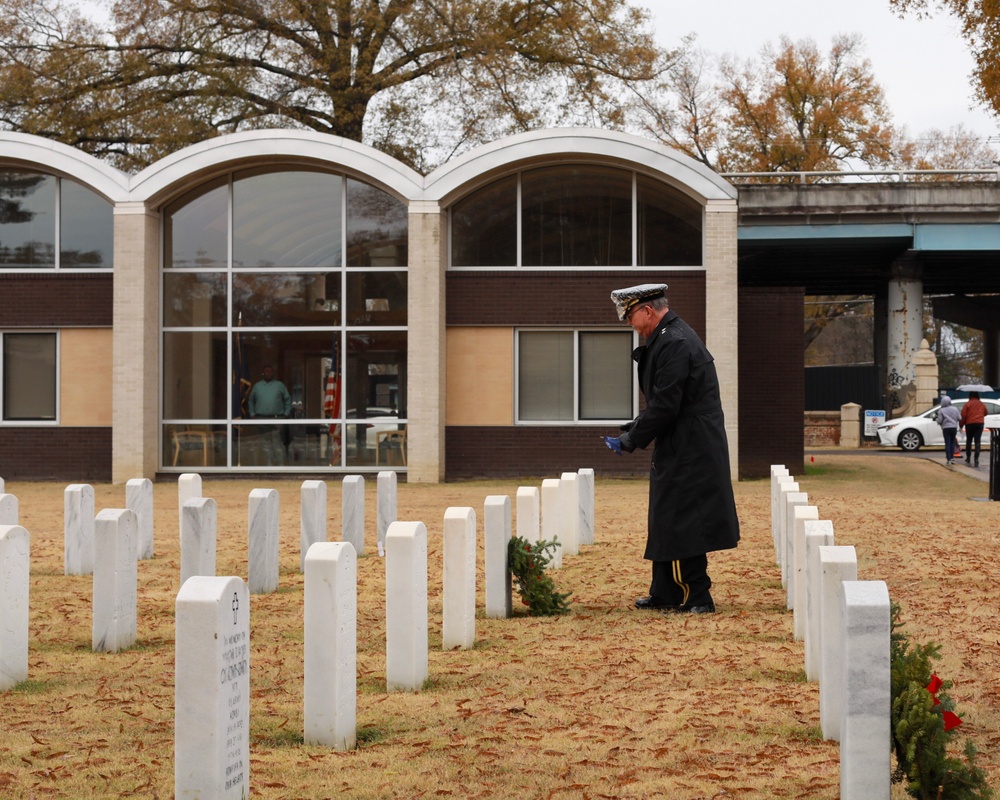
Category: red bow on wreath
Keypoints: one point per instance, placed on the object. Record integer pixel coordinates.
(951, 719)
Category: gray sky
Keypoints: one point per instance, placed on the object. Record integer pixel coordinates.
(923, 65)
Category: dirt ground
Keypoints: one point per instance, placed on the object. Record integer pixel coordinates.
(604, 702)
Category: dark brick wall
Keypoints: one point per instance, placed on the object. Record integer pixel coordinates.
(537, 451)
(772, 383)
(564, 298)
(57, 453)
(56, 300)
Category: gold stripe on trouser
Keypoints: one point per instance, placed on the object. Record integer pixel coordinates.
(679, 580)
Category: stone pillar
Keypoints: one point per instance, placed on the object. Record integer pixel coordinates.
(836, 565)
(14, 587)
(263, 541)
(136, 343)
(496, 538)
(569, 499)
(139, 498)
(925, 368)
(551, 512)
(458, 624)
(528, 513)
(198, 538)
(818, 533)
(406, 649)
(353, 512)
(312, 517)
(865, 731)
(904, 332)
(212, 689)
(797, 568)
(586, 506)
(426, 352)
(721, 318)
(78, 529)
(386, 510)
(116, 539)
(850, 425)
(331, 645)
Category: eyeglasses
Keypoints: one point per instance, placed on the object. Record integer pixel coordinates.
(631, 311)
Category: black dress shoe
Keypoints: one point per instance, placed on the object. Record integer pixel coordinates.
(651, 602)
(709, 608)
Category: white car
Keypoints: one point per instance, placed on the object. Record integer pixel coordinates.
(912, 433)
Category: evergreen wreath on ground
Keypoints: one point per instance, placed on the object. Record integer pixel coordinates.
(527, 563)
(923, 722)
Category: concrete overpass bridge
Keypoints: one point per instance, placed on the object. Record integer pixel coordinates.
(895, 236)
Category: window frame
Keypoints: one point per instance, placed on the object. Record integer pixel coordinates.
(31, 423)
(576, 420)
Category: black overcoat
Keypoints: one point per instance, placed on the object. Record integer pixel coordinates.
(691, 505)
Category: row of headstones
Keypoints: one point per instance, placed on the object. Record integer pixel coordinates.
(845, 625)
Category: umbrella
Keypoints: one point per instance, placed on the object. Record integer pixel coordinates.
(974, 387)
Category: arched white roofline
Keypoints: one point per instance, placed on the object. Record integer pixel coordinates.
(36, 152)
(483, 164)
(184, 169)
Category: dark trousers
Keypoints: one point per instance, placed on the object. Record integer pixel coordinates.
(973, 432)
(684, 582)
(950, 444)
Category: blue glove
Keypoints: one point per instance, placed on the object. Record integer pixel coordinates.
(613, 443)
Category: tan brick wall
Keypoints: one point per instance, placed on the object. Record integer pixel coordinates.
(85, 376)
(426, 345)
(480, 369)
(136, 350)
(721, 312)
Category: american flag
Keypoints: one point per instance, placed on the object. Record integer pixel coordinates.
(331, 406)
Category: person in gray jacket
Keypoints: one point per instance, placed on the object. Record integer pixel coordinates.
(948, 417)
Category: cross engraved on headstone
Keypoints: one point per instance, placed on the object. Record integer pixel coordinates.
(236, 606)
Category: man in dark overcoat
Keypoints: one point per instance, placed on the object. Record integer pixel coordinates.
(692, 511)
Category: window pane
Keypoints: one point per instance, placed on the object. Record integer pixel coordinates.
(287, 219)
(376, 227)
(669, 226)
(195, 377)
(376, 298)
(196, 230)
(484, 227)
(194, 299)
(375, 390)
(606, 376)
(86, 222)
(29, 376)
(545, 375)
(194, 445)
(286, 299)
(27, 220)
(577, 217)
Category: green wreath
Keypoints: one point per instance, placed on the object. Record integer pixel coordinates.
(527, 563)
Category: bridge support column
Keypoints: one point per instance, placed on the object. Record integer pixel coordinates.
(904, 332)
(991, 356)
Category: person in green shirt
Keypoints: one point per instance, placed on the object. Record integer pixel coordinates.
(269, 399)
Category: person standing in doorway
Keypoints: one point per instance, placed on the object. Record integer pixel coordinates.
(692, 511)
(973, 418)
(269, 399)
(949, 419)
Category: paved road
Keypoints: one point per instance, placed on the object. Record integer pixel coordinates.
(934, 456)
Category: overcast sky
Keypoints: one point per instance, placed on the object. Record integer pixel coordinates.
(923, 65)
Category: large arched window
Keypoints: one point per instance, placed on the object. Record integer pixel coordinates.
(576, 216)
(48, 222)
(295, 277)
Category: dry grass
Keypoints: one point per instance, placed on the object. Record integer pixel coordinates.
(604, 702)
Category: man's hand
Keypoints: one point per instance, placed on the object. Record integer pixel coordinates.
(614, 444)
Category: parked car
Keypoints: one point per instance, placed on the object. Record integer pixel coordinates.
(379, 419)
(912, 433)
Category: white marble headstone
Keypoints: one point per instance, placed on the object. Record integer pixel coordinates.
(865, 731)
(792, 499)
(331, 645)
(78, 529)
(353, 513)
(198, 537)
(587, 506)
(837, 564)
(551, 514)
(263, 545)
(212, 689)
(139, 498)
(496, 538)
(572, 512)
(8, 509)
(797, 567)
(312, 527)
(386, 506)
(818, 533)
(116, 539)
(783, 489)
(406, 646)
(458, 619)
(14, 588)
(528, 513)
